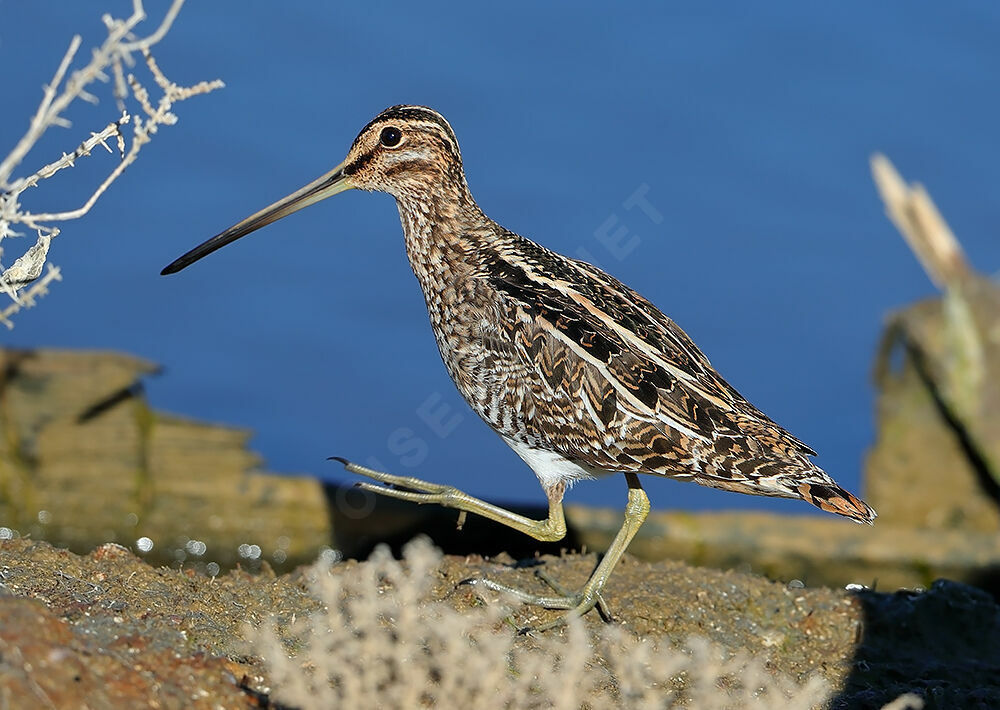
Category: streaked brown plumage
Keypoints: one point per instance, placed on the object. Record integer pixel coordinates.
(577, 372)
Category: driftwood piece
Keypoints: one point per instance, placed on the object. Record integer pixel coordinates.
(947, 382)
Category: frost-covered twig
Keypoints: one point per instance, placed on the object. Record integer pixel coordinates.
(107, 61)
(26, 299)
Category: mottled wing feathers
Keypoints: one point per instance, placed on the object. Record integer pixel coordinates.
(656, 371)
(652, 401)
(686, 355)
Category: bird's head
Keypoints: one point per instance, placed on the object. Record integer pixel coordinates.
(405, 150)
(409, 152)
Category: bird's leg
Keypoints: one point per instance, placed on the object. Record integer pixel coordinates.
(636, 511)
(551, 529)
(413, 489)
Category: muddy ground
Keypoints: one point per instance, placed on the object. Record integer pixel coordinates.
(106, 630)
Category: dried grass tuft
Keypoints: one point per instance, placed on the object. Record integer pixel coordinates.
(381, 643)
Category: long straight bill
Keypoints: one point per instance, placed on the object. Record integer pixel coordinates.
(325, 186)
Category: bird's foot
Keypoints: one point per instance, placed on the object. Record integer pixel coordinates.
(403, 487)
(550, 529)
(575, 604)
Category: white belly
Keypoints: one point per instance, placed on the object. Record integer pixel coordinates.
(551, 468)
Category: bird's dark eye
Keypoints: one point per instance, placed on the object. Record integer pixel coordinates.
(390, 137)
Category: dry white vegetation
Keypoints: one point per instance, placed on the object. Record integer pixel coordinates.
(110, 63)
(381, 643)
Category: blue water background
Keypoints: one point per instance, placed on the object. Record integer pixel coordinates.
(747, 127)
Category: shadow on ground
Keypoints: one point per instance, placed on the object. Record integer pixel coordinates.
(942, 644)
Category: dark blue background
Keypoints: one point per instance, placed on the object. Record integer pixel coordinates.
(752, 127)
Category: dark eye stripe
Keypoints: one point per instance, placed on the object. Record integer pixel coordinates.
(358, 164)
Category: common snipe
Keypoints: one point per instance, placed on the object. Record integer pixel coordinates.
(578, 373)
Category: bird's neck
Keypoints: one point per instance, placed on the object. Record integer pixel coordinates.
(443, 230)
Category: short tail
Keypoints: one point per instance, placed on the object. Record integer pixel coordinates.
(834, 499)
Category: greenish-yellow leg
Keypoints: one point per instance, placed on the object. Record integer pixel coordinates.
(413, 489)
(636, 511)
(551, 529)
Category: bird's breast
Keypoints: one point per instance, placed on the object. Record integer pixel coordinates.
(469, 339)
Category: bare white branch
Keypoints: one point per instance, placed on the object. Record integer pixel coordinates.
(42, 118)
(23, 282)
(67, 160)
(161, 31)
(27, 298)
